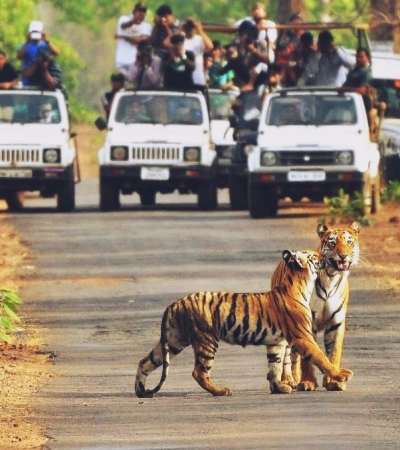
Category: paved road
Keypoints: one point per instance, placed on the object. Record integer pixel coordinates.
(101, 283)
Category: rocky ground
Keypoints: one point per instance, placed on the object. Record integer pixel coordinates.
(23, 370)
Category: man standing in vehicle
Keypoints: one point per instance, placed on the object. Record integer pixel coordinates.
(131, 31)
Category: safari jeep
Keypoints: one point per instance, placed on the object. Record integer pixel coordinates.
(311, 143)
(37, 149)
(157, 141)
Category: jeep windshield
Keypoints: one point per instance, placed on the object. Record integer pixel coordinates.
(311, 110)
(159, 109)
(221, 104)
(28, 108)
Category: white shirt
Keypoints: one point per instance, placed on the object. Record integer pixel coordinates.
(125, 53)
(196, 45)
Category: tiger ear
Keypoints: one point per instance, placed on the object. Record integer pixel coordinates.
(356, 227)
(321, 230)
(287, 255)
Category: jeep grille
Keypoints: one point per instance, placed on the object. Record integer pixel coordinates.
(304, 158)
(157, 153)
(19, 155)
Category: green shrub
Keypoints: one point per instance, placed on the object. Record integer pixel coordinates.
(345, 209)
(9, 302)
(391, 193)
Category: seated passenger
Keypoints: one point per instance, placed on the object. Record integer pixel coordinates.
(339, 115)
(135, 112)
(289, 115)
(47, 114)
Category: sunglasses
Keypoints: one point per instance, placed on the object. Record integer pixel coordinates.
(141, 10)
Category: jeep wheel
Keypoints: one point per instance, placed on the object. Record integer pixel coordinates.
(147, 198)
(238, 193)
(263, 202)
(109, 196)
(207, 196)
(66, 195)
(15, 201)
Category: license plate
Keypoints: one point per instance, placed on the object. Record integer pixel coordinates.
(309, 175)
(154, 173)
(16, 173)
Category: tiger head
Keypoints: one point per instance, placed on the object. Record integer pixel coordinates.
(299, 261)
(339, 246)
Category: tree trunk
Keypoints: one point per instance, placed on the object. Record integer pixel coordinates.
(288, 7)
(382, 15)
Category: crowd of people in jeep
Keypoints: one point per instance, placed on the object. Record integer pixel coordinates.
(180, 54)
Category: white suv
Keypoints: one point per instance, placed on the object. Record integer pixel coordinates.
(37, 149)
(311, 143)
(157, 141)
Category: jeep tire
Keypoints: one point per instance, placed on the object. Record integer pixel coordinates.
(263, 201)
(109, 195)
(207, 196)
(66, 194)
(15, 201)
(238, 193)
(147, 197)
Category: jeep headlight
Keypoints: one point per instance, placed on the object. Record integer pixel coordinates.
(191, 154)
(345, 158)
(119, 153)
(268, 158)
(51, 155)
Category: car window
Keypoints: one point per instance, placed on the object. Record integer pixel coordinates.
(153, 109)
(28, 108)
(311, 110)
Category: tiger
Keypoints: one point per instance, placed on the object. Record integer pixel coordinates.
(273, 319)
(339, 247)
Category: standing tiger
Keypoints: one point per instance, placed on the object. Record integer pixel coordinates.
(339, 248)
(273, 319)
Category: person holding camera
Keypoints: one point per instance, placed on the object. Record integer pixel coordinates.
(179, 66)
(44, 72)
(165, 25)
(36, 39)
(197, 41)
(130, 31)
(146, 71)
(8, 75)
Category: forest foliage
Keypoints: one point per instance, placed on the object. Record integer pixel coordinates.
(83, 31)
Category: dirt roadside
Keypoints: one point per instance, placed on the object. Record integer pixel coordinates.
(23, 371)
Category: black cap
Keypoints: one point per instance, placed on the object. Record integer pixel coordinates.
(164, 10)
(118, 77)
(189, 24)
(145, 46)
(295, 16)
(248, 27)
(177, 38)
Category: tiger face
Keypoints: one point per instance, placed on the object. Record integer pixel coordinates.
(339, 246)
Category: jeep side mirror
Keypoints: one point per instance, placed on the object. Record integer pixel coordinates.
(100, 123)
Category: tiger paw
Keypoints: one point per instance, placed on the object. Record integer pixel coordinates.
(307, 385)
(280, 388)
(289, 381)
(334, 386)
(223, 392)
(341, 376)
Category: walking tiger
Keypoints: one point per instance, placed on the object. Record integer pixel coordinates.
(273, 319)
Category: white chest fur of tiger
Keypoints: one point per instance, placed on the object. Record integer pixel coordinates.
(339, 248)
(273, 319)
